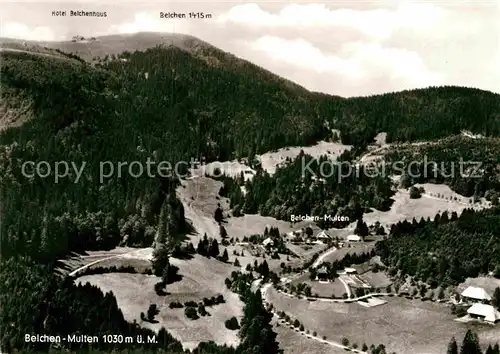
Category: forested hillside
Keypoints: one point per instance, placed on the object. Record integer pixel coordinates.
(174, 104)
(471, 167)
(227, 111)
(186, 109)
(411, 115)
(85, 114)
(36, 301)
(446, 250)
(414, 115)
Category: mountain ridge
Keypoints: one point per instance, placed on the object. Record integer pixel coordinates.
(115, 44)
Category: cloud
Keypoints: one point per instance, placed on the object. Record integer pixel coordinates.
(150, 22)
(377, 23)
(303, 54)
(355, 62)
(21, 31)
(344, 48)
(395, 63)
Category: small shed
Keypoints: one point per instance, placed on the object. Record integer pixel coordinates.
(349, 270)
(267, 241)
(353, 238)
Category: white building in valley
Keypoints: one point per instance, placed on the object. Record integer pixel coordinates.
(484, 312)
(323, 236)
(475, 294)
(354, 238)
(268, 241)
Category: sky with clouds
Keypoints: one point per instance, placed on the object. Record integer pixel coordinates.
(346, 48)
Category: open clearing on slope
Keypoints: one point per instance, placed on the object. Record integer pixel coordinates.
(200, 197)
(232, 168)
(431, 190)
(202, 277)
(270, 160)
(126, 256)
(405, 208)
(306, 251)
(13, 113)
(251, 224)
(404, 326)
(112, 44)
(140, 265)
(376, 280)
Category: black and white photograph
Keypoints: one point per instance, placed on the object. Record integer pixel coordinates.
(250, 177)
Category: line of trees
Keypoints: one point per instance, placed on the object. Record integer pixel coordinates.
(470, 345)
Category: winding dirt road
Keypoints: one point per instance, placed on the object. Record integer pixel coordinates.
(143, 251)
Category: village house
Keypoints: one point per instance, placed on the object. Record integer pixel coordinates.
(268, 242)
(322, 274)
(484, 312)
(475, 295)
(323, 236)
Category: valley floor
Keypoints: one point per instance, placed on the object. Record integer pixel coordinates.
(402, 325)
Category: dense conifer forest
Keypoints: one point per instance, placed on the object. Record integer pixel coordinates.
(115, 114)
(447, 250)
(452, 161)
(415, 115)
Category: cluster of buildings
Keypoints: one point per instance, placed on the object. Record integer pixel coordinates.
(322, 272)
(315, 234)
(480, 302)
(324, 236)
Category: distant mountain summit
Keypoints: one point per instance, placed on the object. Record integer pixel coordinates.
(92, 49)
(88, 48)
